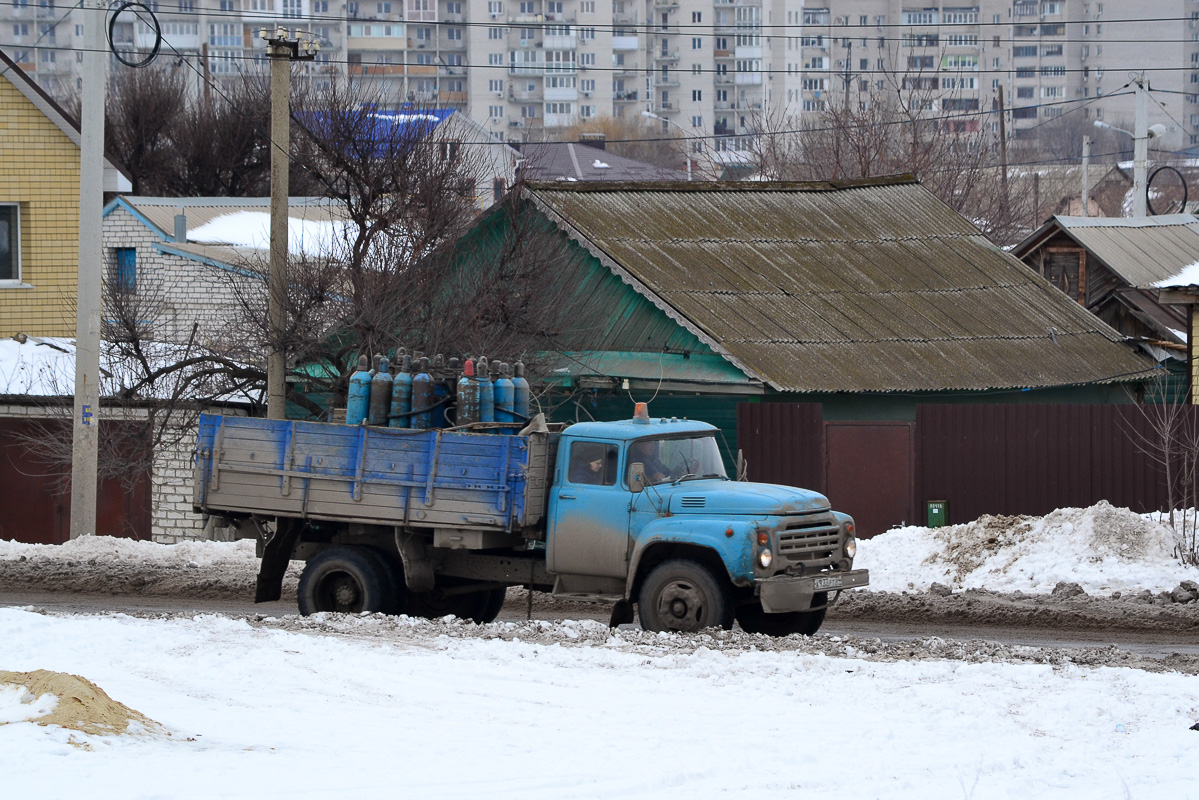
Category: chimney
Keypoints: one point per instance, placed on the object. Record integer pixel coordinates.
(180, 226)
(596, 139)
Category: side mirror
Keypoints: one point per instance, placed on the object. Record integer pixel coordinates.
(636, 477)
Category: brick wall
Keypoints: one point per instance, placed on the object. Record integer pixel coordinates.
(40, 166)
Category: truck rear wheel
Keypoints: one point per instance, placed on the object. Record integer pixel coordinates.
(346, 580)
(684, 596)
(478, 606)
(753, 619)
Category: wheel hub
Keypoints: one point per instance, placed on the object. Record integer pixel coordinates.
(681, 605)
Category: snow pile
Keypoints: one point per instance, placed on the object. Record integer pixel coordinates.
(103, 550)
(1102, 548)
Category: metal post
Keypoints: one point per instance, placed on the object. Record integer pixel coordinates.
(1086, 175)
(282, 51)
(85, 429)
(1140, 147)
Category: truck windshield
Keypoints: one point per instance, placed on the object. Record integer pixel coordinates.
(671, 459)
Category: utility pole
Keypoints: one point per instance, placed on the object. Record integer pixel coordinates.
(85, 428)
(1006, 199)
(1140, 149)
(848, 77)
(282, 49)
(1086, 175)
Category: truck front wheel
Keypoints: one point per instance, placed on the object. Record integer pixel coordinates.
(753, 619)
(346, 580)
(682, 595)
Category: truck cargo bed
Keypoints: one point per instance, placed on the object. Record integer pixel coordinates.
(390, 476)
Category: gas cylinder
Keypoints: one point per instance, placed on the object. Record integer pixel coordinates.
(486, 392)
(504, 396)
(380, 395)
(422, 396)
(520, 392)
(358, 398)
(401, 397)
(468, 395)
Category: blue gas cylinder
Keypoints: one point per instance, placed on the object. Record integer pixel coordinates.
(380, 395)
(358, 398)
(401, 397)
(423, 396)
(520, 392)
(486, 392)
(505, 396)
(468, 395)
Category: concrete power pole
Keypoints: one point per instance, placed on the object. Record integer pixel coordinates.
(1140, 149)
(282, 50)
(85, 428)
(1086, 175)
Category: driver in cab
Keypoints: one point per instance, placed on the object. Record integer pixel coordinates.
(645, 452)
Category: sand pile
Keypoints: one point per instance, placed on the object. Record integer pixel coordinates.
(81, 705)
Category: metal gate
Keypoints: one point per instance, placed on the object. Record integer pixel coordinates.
(35, 496)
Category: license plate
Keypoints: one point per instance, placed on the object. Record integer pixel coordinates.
(830, 582)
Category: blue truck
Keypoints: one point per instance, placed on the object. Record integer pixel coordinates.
(638, 513)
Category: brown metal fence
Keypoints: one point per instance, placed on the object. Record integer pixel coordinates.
(783, 443)
(1031, 459)
(989, 459)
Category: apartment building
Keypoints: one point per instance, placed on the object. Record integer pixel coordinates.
(715, 70)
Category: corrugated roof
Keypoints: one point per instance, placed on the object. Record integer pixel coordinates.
(866, 286)
(1141, 250)
(568, 161)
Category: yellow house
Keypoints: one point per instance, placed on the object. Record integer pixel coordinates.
(39, 208)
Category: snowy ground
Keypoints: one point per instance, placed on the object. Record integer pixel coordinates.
(238, 706)
(364, 706)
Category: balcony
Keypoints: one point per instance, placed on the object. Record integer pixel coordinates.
(665, 5)
(626, 43)
(722, 53)
(624, 97)
(666, 83)
(625, 19)
(668, 105)
(672, 55)
(452, 97)
(747, 52)
(524, 96)
(559, 94)
(560, 42)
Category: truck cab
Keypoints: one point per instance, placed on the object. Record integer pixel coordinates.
(644, 511)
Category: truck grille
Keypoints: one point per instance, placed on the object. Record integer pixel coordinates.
(810, 540)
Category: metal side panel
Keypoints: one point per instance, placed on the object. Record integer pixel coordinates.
(361, 473)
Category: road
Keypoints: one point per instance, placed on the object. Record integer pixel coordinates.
(1147, 644)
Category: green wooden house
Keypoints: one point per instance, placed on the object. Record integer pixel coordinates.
(809, 321)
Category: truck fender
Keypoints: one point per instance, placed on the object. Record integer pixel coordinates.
(734, 552)
(417, 557)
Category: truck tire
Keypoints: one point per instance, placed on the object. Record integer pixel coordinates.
(753, 619)
(433, 605)
(682, 595)
(392, 574)
(491, 608)
(343, 579)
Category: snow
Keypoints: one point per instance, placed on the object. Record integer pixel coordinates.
(1187, 276)
(248, 711)
(108, 550)
(45, 367)
(1101, 548)
(253, 229)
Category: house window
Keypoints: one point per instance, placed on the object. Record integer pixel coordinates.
(125, 270)
(10, 243)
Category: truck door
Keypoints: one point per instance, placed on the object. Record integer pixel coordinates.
(588, 531)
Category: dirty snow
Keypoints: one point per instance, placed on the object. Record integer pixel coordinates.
(1102, 548)
(415, 708)
(253, 229)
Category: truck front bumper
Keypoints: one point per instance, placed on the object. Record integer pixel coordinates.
(784, 593)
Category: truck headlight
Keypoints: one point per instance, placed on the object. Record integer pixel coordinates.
(851, 547)
(765, 557)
